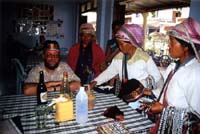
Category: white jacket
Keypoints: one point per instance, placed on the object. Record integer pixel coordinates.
(139, 67)
(184, 87)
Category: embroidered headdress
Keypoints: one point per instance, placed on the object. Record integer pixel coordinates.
(87, 28)
(132, 33)
(188, 31)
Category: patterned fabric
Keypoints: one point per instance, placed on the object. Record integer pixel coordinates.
(132, 33)
(189, 31)
(138, 55)
(33, 76)
(24, 107)
(87, 28)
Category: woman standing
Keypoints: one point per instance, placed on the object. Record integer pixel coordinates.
(182, 79)
(131, 62)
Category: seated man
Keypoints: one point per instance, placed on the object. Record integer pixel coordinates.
(53, 71)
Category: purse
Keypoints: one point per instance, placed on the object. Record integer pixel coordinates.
(131, 91)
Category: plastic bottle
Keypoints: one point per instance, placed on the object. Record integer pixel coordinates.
(81, 106)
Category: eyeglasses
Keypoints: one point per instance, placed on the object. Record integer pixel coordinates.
(52, 55)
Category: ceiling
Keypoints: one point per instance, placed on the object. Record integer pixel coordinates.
(140, 6)
(132, 6)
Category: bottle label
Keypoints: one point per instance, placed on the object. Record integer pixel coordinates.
(43, 97)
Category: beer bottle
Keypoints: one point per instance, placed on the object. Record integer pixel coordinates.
(41, 90)
(65, 90)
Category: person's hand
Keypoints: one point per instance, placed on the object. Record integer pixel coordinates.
(92, 84)
(151, 107)
(147, 92)
(74, 85)
(103, 66)
(145, 106)
(53, 85)
(156, 107)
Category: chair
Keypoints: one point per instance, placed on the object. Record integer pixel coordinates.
(20, 74)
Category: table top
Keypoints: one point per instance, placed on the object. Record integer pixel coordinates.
(24, 106)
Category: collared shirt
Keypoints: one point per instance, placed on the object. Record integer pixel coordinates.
(184, 87)
(139, 67)
(57, 75)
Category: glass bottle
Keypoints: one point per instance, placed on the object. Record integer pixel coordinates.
(65, 89)
(41, 90)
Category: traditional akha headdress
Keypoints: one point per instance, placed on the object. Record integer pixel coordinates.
(188, 31)
(87, 28)
(132, 33)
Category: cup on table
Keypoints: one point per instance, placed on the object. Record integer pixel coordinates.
(91, 102)
(91, 97)
(41, 116)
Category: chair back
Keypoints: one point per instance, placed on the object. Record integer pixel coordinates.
(20, 74)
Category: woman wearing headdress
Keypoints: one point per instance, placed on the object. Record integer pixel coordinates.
(131, 62)
(182, 79)
(86, 57)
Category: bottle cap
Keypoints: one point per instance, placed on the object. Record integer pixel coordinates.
(81, 88)
(65, 74)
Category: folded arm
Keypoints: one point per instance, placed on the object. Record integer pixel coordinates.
(31, 88)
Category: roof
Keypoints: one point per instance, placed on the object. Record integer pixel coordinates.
(141, 6)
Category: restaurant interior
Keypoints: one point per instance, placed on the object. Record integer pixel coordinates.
(25, 24)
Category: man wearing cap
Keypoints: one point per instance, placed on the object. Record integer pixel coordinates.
(86, 57)
(131, 62)
(53, 71)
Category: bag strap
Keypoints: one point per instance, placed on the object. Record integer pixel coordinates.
(124, 69)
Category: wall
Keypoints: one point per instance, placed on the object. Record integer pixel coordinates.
(63, 10)
(194, 9)
(104, 21)
(67, 13)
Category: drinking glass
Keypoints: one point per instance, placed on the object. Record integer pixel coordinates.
(41, 116)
